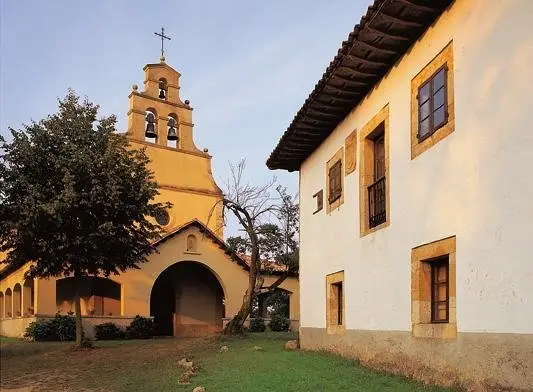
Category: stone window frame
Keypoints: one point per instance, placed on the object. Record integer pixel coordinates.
(332, 303)
(339, 156)
(421, 258)
(444, 59)
(366, 169)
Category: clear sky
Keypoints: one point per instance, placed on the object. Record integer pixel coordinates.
(247, 66)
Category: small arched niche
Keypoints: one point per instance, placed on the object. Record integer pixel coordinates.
(150, 125)
(192, 243)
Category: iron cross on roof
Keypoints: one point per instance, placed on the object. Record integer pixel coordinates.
(163, 38)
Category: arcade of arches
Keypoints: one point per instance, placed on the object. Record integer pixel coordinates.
(191, 285)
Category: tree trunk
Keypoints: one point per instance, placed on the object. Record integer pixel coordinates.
(77, 308)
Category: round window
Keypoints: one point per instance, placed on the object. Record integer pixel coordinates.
(162, 218)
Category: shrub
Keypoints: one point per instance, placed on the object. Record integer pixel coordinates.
(279, 323)
(257, 325)
(63, 327)
(39, 331)
(108, 331)
(140, 328)
(60, 328)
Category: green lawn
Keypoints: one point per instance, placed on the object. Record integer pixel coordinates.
(151, 365)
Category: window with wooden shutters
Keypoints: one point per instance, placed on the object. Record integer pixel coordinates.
(432, 104)
(440, 291)
(335, 184)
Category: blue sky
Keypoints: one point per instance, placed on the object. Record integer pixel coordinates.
(247, 66)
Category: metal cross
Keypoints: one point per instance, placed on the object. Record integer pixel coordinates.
(163, 37)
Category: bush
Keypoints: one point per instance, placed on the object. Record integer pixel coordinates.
(140, 328)
(39, 331)
(63, 327)
(60, 328)
(108, 331)
(257, 325)
(279, 323)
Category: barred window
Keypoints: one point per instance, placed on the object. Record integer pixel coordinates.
(335, 184)
(432, 104)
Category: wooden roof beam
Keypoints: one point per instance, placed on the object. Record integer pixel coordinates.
(388, 52)
(386, 35)
(409, 23)
(341, 90)
(365, 61)
(355, 71)
(348, 80)
(417, 6)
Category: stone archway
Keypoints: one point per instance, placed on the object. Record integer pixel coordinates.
(187, 299)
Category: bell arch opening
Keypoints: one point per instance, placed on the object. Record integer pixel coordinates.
(187, 299)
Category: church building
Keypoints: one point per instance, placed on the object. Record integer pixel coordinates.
(414, 153)
(193, 285)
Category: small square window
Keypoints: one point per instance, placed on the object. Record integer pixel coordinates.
(319, 196)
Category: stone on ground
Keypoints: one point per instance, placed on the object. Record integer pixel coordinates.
(199, 389)
(291, 345)
(189, 365)
(224, 349)
(258, 348)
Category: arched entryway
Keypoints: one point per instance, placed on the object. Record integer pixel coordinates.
(187, 300)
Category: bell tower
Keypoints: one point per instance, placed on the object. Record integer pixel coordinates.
(160, 122)
(157, 114)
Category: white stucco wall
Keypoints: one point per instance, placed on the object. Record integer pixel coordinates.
(475, 184)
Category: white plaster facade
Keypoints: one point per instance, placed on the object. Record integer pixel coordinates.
(476, 184)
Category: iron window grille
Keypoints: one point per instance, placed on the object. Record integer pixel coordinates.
(377, 211)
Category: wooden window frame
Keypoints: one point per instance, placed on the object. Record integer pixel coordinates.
(433, 127)
(435, 265)
(443, 60)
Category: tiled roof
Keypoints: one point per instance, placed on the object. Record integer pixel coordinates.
(383, 36)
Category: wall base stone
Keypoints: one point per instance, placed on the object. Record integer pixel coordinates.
(474, 361)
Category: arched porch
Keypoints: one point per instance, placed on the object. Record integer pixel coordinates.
(187, 299)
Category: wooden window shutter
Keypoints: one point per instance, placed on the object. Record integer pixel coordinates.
(335, 186)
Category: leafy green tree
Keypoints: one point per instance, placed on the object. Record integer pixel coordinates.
(74, 198)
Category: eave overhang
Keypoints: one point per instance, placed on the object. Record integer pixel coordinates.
(380, 39)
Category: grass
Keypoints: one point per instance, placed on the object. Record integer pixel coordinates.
(151, 365)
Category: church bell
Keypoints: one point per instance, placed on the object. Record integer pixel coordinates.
(150, 126)
(162, 90)
(172, 134)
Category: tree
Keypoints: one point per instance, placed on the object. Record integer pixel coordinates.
(269, 244)
(74, 198)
